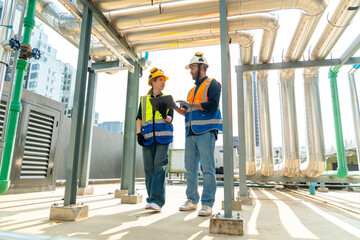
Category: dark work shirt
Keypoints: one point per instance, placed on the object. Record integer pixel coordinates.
(212, 105)
(170, 113)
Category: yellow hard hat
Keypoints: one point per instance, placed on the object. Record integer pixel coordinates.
(196, 59)
(154, 73)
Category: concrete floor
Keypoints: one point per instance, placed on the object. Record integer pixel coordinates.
(275, 214)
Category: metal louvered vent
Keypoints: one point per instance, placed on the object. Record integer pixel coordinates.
(37, 146)
(2, 116)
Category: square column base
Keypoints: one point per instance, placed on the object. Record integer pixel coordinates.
(118, 193)
(323, 190)
(245, 200)
(221, 225)
(69, 213)
(132, 199)
(85, 191)
(235, 205)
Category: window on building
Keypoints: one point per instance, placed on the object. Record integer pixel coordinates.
(51, 90)
(49, 70)
(42, 45)
(69, 111)
(35, 66)
(66, 105)
(66, 99)
(34, 75)
(33, 84)
(49, 49)
(62, 99)
(47, 87)
(69, 81)
(69, 75)
(45, 59)
(64, 88)
(68, 88)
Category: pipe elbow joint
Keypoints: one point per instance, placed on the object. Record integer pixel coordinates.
(4, 186)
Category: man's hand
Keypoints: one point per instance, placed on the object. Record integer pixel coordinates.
(185, 104)
(163, 109)
(140, 139)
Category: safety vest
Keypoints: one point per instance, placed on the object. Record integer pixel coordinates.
(163, 131)
(200, 121)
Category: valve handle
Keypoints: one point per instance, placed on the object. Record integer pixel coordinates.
(36, 53)
(14, 44)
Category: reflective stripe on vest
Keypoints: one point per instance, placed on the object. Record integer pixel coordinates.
(163, 131)
(200, 121)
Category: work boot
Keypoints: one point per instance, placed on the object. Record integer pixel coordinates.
(187, 206)
(205, 210)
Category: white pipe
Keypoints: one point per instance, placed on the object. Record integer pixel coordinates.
(355, 110)
(266, 148)
(341, 18)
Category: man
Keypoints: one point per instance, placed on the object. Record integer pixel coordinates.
(202, 123)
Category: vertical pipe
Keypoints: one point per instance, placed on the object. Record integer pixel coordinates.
(15, 107)
(78, 109)
(290, 142)
(266, 148)
(249, 124)
(88, 130)
(342, 170)
(227, 111)
(315, 164)
(16, 55)
(355, 110)
(6, 32)
(129, 145)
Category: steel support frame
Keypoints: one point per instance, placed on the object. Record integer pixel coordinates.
(111, 30)
(87, 135)
(240, 69)
(227, 112)
(129, 144)
(78, 109)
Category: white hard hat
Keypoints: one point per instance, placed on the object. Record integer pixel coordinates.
(197, 58)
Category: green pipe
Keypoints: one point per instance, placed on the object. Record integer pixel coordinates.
(342, 170)
(15, 106)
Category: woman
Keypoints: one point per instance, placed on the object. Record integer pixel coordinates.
(154, 134)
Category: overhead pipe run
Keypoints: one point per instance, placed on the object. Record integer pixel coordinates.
(341, 18)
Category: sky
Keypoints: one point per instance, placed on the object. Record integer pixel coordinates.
(111, 89)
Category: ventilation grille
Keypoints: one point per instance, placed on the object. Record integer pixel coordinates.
(2, 116)
(37, 146)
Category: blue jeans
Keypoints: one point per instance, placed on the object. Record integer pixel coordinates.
(200, 148)
(156, 159)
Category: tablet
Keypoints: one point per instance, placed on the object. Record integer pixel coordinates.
(168, 99)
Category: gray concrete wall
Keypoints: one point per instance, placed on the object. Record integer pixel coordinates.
(106, 154)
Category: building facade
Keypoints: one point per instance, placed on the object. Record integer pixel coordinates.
(47, 76)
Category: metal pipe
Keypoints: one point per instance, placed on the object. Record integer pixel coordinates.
(266, 148)
(342, 170)
(6, 32)
(291, 154)
(12, 76)
(249, 124)
(182, 11)
(290, 143)
(15, 107)
(342, 16)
